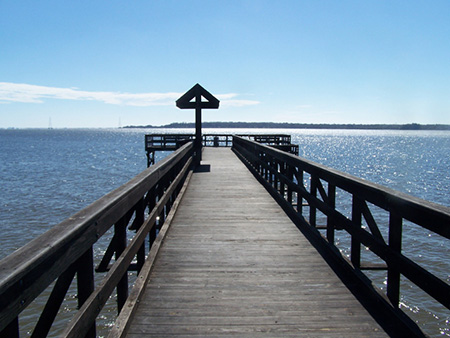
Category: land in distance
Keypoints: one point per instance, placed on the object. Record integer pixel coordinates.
(286, 125)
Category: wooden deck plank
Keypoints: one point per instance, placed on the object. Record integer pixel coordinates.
(233, 264)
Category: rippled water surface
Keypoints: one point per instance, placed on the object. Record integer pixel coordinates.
(48, 175)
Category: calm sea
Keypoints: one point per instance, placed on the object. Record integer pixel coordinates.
(48, 175)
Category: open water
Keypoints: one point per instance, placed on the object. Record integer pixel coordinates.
(48, 175)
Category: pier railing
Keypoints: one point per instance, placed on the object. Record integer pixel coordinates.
(174, 141)
(65, 253)
(162, 142)
(308, 193)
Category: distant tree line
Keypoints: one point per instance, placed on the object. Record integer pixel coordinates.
(285, 125)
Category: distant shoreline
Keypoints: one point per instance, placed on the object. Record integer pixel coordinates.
(283, 125)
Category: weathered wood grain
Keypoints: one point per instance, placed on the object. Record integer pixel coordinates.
(233, 264)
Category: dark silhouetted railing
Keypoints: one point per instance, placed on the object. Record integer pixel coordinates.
(308, 193)
(65, 252)
(161, 142)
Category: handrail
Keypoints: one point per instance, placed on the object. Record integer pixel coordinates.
(161, 141)
(283, 175)
(67, 248)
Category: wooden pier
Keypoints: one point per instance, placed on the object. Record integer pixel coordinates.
(240, 267)
(242, 245)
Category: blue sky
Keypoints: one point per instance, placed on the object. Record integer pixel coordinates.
(95, 63)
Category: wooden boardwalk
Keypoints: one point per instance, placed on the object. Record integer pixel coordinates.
(233, 264)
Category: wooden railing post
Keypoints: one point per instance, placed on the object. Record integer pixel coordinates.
(276, 171)
(331, 204)
(161, 216)
(151, 198)
(313, 192)
(393, 274)
(273, 176)
(120, 230)
(290, 176)
(355, 250)
(85, 282)
(270, 171)
(266, 169)
(283, 173)
(299, 177)
(139, 219)
(263, 167)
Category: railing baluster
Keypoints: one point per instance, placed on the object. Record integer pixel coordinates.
(276, 169)
(259, 165)
(120, 230)
(312, 209)
(270, 163)
(266, 170)
(300, 178)
(85, 282)
(151, 197)
(330, 220)
(290, 177)
(393, 274)
(356, 222)
(139, 219)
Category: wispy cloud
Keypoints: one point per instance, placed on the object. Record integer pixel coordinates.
(229, 100)
(27, 93)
